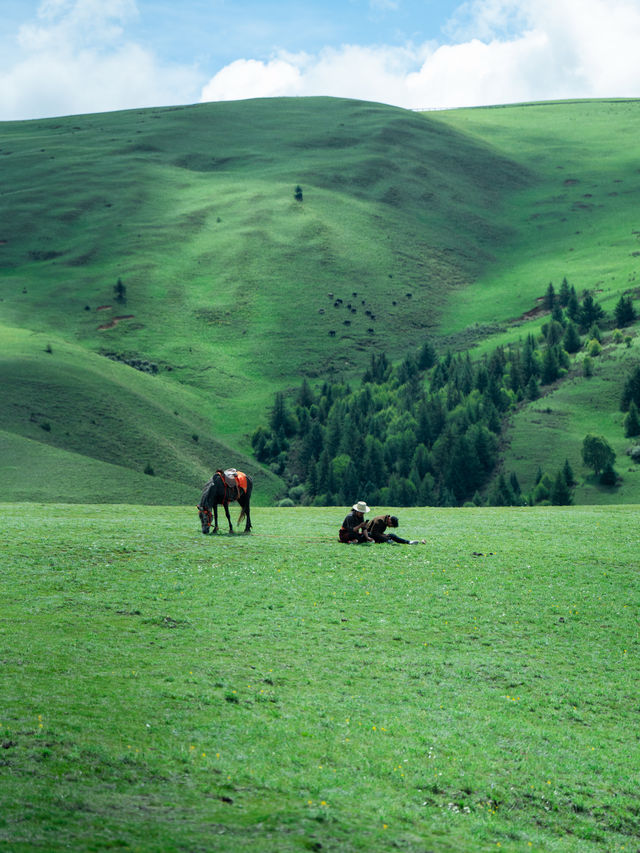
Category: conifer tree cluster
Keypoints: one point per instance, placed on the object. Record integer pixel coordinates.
(427, 430)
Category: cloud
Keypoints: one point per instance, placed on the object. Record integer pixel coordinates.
(501, 51)
(368, 73)
(75, 56)
(79, 23)
(75, 59)
(254, 79)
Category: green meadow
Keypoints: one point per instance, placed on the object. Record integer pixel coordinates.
(447, 226)
(576, 217)
(166, 691)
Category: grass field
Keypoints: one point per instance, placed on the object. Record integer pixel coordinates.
(165, 691)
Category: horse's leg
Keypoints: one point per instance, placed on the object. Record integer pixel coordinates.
(247, 509)
(226, 509)
(215, 517)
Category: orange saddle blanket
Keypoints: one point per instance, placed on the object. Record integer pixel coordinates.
(232, 478)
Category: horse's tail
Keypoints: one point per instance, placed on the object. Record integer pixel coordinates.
(244, 499)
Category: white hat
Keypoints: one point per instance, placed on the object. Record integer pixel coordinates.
(361, 507)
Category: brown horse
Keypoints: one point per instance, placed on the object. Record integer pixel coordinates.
(223, 489)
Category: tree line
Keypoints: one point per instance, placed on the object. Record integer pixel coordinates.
(427, 430)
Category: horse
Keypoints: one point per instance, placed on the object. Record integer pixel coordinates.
(223, 488)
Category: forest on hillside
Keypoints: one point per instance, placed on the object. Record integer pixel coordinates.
(428, 431)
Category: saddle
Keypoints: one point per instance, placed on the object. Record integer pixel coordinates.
(233, 478)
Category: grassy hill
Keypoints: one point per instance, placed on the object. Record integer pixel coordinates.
(449, 225)
(578, 219)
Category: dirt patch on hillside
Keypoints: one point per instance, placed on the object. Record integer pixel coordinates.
(114, 322)
(538, 311)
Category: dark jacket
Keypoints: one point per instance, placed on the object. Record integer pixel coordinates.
(377, 527)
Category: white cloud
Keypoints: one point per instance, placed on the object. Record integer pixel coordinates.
(504, 51)
(75, 59)
(368, 73)
(249, 78)
(75, 56)
(77, 22)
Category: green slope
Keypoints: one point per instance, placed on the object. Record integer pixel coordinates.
(578, 217)
(449, 225)
(75, 424)
(549, 430)
(193, 208)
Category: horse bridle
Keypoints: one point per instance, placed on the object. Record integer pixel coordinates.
(203, 510)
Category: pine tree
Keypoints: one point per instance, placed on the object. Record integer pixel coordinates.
(560, 491)
(571, 338)
(565, 293)
(120, 292)
(533, 391)
(542, 490)
(631, 390)
(568, 474)
(553, 332)
(550, 366)
(632, 421)
(306, 397)
(590, 312)
(501, 493)
(427, 357)
(427, 492)
(530, 363)
(281, 418)
(624, 312)
(573, 306)
(594, 333)
(549, 298)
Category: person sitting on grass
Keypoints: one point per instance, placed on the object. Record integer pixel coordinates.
(376, 528)
(353, 530)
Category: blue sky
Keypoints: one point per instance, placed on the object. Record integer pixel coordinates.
(60, 57)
